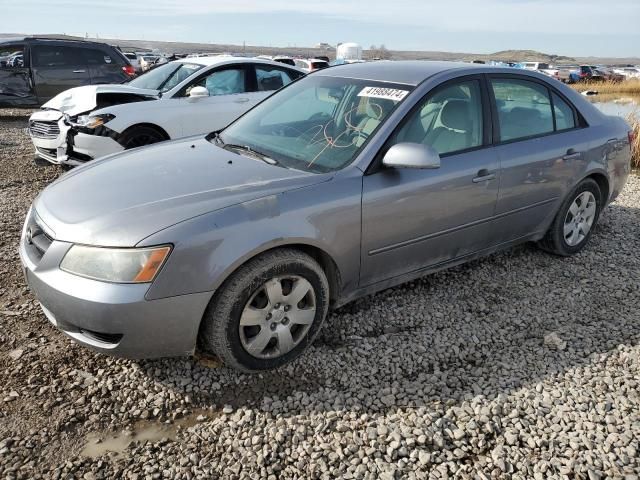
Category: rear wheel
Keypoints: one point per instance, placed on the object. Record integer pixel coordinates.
(267, 312)
(140, 135)
(574, 222)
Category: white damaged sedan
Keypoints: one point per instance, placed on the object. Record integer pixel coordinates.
(181, 98)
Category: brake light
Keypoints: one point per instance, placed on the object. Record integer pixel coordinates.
(129, 70)
(632, 137)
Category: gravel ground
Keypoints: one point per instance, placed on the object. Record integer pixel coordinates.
(521, 365)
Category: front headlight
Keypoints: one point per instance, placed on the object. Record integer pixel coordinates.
(118, 265)
(92, 121)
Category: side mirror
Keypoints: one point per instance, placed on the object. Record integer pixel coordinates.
(411, 155)
(198, 92)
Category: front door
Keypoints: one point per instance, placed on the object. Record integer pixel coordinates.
(229, 97)
(16, 88)
(413, 219)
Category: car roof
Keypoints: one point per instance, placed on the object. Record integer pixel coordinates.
(220, 59)
(29, 38)
(409, 72)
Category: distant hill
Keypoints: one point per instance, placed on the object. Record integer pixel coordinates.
(504, 55)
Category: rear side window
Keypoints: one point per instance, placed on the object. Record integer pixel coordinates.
(273, 78)
(449, 121)
(94, 56)
(565, 119)
(57, 56)
(524, 108)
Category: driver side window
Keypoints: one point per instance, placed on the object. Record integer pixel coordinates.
(222, 82)
(450, 120)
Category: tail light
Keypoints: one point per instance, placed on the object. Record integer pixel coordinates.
(129, 70)
(632, 136)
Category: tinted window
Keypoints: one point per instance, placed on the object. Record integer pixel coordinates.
(449, 121)
(222, 82)
(523, 107)
(11, 56)
(55, 56)
(98, 57)
(273, 78)
(563, 113)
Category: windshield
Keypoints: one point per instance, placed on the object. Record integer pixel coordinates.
(317, 124)
(166, 77)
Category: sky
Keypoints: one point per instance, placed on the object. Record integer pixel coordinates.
(565, 27)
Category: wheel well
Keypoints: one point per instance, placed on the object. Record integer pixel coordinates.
(158, 129)
(603, 183)
(323, 258)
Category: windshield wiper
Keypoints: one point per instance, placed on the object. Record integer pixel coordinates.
(250, 151)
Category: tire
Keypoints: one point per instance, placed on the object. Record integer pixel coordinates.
(563, 242)
(245, 298)
(140, 135)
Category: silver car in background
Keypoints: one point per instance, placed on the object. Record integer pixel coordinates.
(346, 182)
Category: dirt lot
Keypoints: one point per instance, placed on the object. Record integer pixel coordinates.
(521, 365)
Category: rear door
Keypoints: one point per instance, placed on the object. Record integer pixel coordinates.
(540, 147)
(104, 65)
(16, 87)
(57, 68)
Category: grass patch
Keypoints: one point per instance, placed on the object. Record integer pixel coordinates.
(628, 87)
(635, 146)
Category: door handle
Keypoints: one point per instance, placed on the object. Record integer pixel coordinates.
(484, 175)
(571, 155)
(79, 71)
(242, 100)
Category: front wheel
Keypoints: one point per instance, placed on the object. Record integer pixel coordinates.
(267, 312)
(139, 136)
(574, 222)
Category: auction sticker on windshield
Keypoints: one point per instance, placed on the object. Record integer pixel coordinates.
(388, 93)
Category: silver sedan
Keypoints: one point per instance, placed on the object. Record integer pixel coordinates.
(346, 182)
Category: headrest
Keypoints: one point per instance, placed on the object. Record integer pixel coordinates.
(455, 115)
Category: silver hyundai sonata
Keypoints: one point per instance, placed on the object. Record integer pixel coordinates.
(348, 181)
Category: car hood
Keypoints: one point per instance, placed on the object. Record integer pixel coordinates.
(84, 99)
(121, 199)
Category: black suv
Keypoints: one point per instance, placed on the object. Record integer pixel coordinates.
(33, 70)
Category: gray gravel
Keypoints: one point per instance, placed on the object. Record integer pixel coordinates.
(521, 365)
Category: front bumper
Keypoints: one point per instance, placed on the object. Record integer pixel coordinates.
(111, 318)
(71, 147)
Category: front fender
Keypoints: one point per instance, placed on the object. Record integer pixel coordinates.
(209, 248)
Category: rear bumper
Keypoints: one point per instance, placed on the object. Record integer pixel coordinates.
(110, 318)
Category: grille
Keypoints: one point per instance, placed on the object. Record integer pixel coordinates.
(37, 240)
(40, 129)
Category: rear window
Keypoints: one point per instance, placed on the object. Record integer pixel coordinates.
(286, 61)
(131, 56)
(318, 65)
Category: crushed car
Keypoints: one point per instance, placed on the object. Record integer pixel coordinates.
(180, 98)
(33, 70)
